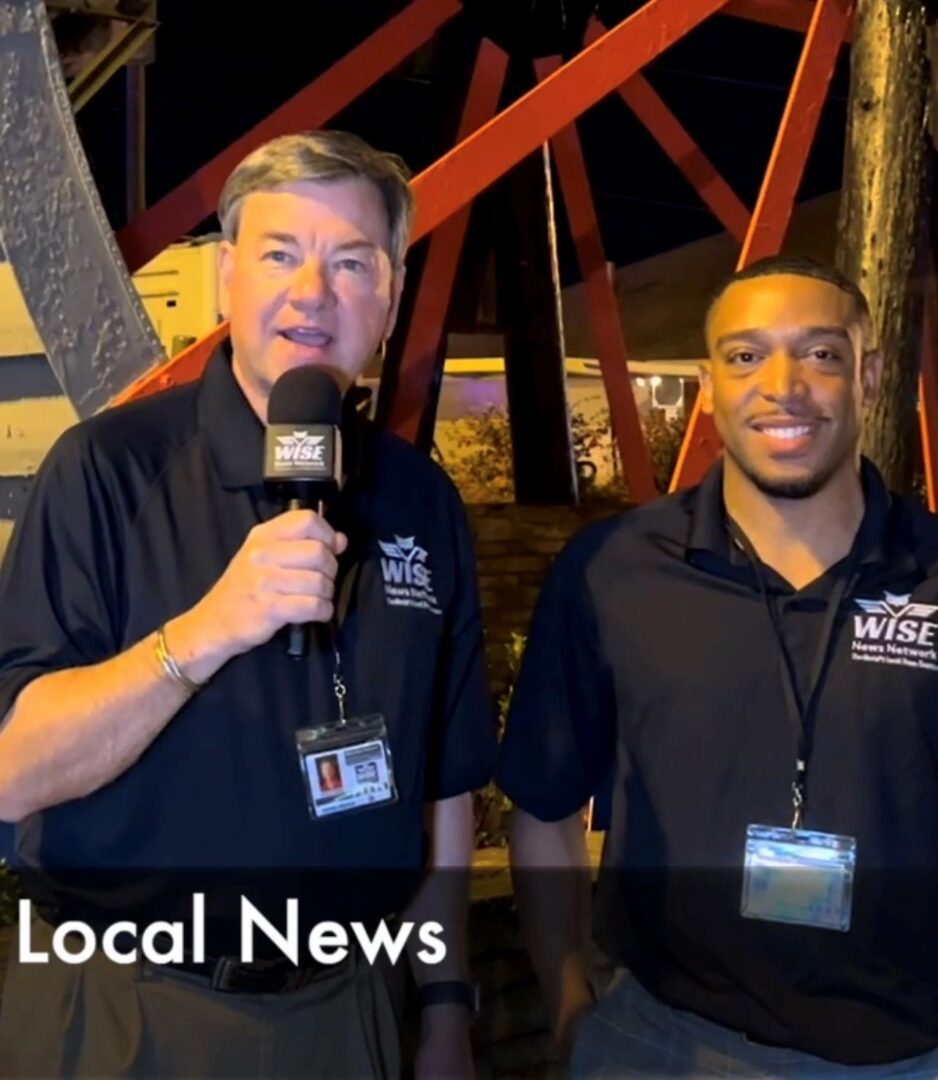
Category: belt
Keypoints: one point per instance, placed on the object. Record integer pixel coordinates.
(231, 975)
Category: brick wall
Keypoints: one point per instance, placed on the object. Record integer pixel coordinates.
(515, 546)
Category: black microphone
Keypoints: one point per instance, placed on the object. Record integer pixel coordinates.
(303, 451)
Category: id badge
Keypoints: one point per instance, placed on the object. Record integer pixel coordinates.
(347, 767)
(798, 876)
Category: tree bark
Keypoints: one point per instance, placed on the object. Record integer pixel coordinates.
(883, 211)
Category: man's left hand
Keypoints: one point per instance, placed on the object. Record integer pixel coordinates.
(445, 1050)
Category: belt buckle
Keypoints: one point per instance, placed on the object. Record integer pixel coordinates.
(221, 976)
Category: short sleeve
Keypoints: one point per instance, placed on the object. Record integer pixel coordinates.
(57, 593)
(559, 741)
(463, 744)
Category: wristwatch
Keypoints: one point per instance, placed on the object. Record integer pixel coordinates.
(453, 992)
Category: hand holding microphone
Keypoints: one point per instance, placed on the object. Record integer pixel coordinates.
(284, 573)
(303, 452)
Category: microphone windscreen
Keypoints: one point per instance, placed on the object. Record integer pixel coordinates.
(303, 440)
(305, 395)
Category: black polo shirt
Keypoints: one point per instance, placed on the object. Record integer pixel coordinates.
(652, 657)
(134, 516)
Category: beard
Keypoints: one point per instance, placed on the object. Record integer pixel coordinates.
(795, 487)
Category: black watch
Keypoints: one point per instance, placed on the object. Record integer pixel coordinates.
(454, 992)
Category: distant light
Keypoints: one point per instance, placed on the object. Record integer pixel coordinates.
(640, 381)
(655, 381)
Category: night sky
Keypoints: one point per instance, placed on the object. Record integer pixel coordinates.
(215, 76)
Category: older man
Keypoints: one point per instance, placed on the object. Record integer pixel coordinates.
(150, 711)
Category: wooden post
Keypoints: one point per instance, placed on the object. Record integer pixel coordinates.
(882, 210)
(528, 288)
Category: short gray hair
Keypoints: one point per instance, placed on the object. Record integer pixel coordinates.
(322, 155)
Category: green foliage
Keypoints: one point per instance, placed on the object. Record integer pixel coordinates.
(481, 467)
(490, 805)
(663, 439)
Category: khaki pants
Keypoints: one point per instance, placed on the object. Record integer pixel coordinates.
(101, 1019)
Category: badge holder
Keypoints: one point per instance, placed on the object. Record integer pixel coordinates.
(798, 876)
(346, 766)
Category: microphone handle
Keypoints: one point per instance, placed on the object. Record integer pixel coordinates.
(298, 639)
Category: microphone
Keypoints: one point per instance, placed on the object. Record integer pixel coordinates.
(303, 451)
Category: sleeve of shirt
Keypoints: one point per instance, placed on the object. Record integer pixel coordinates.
(57, 591)
(463, 743)
(559, 741)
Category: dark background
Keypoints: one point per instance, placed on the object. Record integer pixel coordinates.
(217, 74)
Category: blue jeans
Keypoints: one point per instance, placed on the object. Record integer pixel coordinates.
(630, 1033)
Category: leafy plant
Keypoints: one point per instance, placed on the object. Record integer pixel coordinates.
(663, 438)
(479, 455)
(491, 806)
(482, 466)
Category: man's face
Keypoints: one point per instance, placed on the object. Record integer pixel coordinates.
(786, 381)
(308, 281)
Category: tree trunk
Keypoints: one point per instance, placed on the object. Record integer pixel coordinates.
(882, 213)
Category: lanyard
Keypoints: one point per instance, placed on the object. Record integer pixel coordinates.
(339, 687)
(341, 610)
(802, 714)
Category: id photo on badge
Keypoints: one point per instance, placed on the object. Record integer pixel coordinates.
(346, 778)
(328, 774)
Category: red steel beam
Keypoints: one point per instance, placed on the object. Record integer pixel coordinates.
(428, 321)
(776, 200)
(195, 199)
(798, 127)
(785, 14)
(602, 307)
(534, 118)
(478, 161)
(672, 137)
(184, 367)
(928, 392)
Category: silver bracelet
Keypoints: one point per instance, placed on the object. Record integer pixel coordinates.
(168, 663)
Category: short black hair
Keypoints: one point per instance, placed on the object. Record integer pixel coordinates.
(799, 266)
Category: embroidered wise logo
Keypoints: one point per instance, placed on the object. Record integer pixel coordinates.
(408, 580)
(300, 447)
(896, 631)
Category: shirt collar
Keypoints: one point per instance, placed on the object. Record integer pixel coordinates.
(235, 435)
(882, 539)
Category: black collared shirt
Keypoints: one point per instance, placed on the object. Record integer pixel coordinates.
(134, 516)
(652, 658)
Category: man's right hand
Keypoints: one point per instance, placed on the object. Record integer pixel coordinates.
(284, 573)
(70, 732)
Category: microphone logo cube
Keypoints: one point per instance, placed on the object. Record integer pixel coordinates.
(308, 453)
(300, 446)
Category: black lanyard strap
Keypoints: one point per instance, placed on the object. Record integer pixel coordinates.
(802, 713)
(343, 602)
